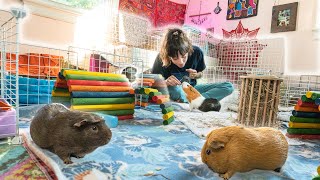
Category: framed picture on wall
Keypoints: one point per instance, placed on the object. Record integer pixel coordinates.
(239, 9)
(284, 17)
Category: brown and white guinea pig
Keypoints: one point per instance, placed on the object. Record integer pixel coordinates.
(68, 133)
(237, 149)
(130, 73)
(197, 101)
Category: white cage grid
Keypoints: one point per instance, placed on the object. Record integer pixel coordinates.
(241, 57)
(293, 87)
(39, 65)
(122, 61)
(9, 53)
(9, 49)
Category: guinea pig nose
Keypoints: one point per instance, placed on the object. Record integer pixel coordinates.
(208, 151)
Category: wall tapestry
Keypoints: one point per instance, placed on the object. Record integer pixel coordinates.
(159, 12)
(238, 9)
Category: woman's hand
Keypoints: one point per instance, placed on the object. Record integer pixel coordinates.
(193, 74)
(172, 81)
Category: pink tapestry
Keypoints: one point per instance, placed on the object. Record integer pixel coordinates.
(159, 12)
(169, 13)
(144, 8)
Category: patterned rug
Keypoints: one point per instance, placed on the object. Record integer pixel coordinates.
(16, 163)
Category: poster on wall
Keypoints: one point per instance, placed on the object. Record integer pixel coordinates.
(284, 17)
(239, 9)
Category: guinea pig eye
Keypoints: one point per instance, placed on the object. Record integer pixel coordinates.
(94, 128)
(208, 151)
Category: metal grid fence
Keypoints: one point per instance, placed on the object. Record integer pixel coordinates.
(293, 87)
(241, 57)
(9, 63)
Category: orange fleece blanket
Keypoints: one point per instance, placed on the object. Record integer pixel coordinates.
(34, 64)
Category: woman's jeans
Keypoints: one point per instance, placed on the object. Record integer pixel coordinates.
(210, 90)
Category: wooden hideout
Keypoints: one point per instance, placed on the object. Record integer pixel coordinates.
(259, 100)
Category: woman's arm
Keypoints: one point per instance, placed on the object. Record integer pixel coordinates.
(157, 66)
(193, 74)
(158, 69)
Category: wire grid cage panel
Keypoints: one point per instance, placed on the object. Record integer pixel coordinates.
(126, 29)
(154, 41)
(241, 57)
(293, 87)
(106, 26)
(38, 69)
(125, 35)
(9, 72)
(40, 65)
(135, 40)
(122, 61)
(9, 61)
(197, 38)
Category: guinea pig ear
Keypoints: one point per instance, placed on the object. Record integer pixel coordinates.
(81, 123)
(208, 135)
(95, 119)
(216, 145)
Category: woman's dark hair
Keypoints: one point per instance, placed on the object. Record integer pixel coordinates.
(175, 41)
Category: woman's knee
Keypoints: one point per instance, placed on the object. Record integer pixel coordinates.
(229, 88)
(175, 93)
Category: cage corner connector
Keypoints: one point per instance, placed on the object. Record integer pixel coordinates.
(18, 12)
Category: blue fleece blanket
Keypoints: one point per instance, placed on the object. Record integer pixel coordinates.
(31, 90)
(145, 149)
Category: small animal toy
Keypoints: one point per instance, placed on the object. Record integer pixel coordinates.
(197, 101)
(237, 149)
(68, 133)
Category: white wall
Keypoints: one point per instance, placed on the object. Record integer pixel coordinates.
(40, 27)
(49, 32)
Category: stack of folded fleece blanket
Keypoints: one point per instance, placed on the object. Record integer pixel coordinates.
(305, 120)
(100, 92)
(31, 90)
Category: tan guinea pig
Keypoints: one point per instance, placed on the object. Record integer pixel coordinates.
(237, 149)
